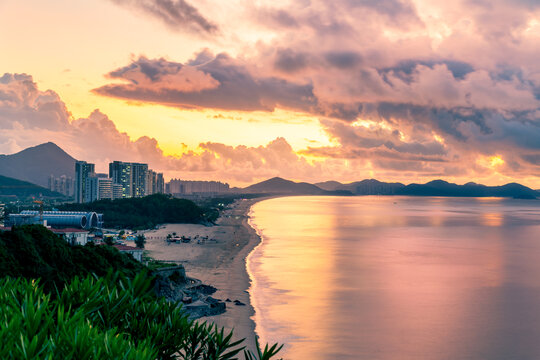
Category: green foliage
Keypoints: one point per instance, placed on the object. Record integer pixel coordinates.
(142, 213)
(32, 251)
(10, 187)
(112, 317)
(140, 240)
(35, 326)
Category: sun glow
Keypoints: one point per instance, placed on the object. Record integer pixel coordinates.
(495, 161)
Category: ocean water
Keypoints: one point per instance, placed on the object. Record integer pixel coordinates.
(398, 277)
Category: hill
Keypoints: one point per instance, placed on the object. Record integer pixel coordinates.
(443, 188)
(37, 163)
(329, 185)
(278, 185)
(145, 212)
(364, 187)
(23, 189)
(375, 187)
(32, 251)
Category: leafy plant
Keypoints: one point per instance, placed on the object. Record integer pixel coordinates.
(112, 317)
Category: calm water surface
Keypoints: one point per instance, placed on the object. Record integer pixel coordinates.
(398, 277)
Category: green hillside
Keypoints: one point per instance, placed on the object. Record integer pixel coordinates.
(22, 189)
(145, 212)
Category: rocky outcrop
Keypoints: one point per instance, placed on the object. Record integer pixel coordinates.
(173, 284)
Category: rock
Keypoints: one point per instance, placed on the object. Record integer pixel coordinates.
(205, 289)
(228, 300)
(239, 303)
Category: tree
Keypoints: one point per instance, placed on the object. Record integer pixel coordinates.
(140, 240)
(108, 240)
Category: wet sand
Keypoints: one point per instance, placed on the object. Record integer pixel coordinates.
(220, 262)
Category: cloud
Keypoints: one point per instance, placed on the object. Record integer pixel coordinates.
(29, 116)
(221, 83)
(20, 100)
(176, 14)
(403, 88)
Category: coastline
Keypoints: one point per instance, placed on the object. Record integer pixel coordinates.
(220, 262)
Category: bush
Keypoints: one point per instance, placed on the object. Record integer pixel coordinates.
(112, 317)
(32, 251)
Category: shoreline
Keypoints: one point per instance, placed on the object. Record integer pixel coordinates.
(220, 262)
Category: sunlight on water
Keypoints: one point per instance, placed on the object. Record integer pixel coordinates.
(398, 278)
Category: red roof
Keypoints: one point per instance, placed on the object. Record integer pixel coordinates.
(67, 230)
(127, 248)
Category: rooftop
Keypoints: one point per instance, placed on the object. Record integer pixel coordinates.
(68, 230)
(127, 248)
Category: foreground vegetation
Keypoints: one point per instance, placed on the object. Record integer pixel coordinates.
(143, 213)
(111, 317)
(92, 302)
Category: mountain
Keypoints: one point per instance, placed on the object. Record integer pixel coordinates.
(37, 163)
(281, 186)
(22, 189)
(364, 187)
(375, 187)
(329, 185)
(443, 188)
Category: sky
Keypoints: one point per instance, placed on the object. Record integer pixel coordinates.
(310, 90)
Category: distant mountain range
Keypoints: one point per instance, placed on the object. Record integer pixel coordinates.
(10, 187)
(37, 163)
(375, 187)
(279, 186)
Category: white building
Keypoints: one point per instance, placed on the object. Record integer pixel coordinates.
(135, 252)
(72, 236)
(99, 187)
(187, 187)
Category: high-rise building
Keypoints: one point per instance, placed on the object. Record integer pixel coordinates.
(150, 185)
(65, 185)
(121, 174)
(99, 187)
(139, 175)
(117, 191)
(136, 179)
(154, 183)
(82, 171)
(160, 184)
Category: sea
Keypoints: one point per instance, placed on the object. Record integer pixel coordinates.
(397, 278)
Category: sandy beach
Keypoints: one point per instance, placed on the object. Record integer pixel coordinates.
(220, 261)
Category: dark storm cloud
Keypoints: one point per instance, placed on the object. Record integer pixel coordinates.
(343, 59)
(287, 60)
(177, 14)
(235, 89)
(459, 69)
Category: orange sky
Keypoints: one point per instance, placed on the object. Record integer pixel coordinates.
(244, 90)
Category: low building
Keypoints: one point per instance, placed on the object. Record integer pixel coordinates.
(72, 236)
(135, 252)
(177, 187)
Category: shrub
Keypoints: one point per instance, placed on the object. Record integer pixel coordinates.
(112, 317)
